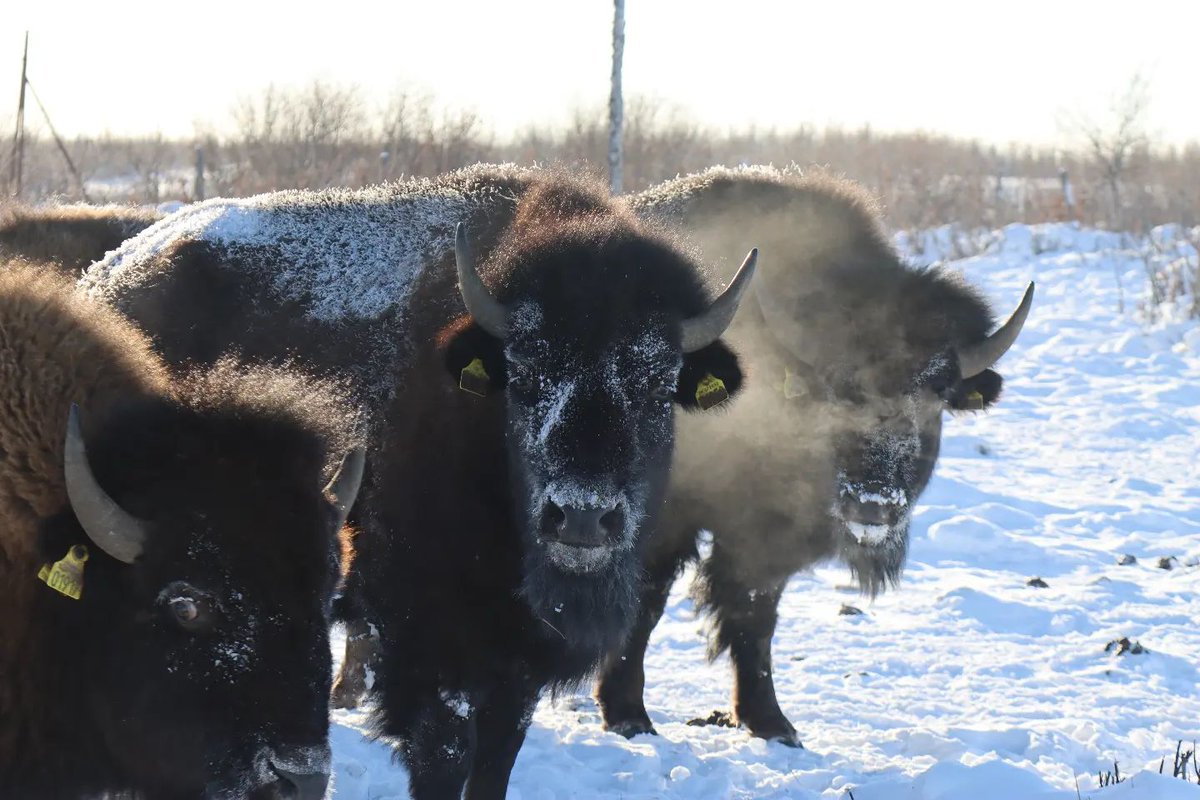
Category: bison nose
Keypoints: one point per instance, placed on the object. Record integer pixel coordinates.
(595, 526)
(299, 785)
(871, 511)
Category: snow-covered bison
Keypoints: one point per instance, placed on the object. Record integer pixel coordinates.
(523, 416)
(71, 236)
(167, 562)
(853, 359)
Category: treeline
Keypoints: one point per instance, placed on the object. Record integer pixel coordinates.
(328, 135)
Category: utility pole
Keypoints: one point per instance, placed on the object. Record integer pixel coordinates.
(616, 101)
(18, 151)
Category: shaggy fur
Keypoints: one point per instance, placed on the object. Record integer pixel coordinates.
(105, 694)
(71, 236)
(477, 613)
(851, 357)
(451, 530)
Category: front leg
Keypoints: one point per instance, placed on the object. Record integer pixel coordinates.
(622, 682)
(361, 661)
(744, 621)
(438, 747)
(501, 723)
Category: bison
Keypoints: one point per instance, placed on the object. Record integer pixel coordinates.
(854, 359)
(69, 236)
(522, 410)
(168, 558)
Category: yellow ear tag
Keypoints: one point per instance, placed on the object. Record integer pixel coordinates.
(974, 402)
(793, 386)
(710, 392)
(474, 378)
(66, 576)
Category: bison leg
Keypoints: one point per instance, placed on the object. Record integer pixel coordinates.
(362, 657)
(500, 732)
(437, 749)
(623, 677)
(744, 621)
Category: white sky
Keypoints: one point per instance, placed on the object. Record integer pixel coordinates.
(999, 71)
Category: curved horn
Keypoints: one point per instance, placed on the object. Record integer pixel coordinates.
(489, 312)
(976, 358)
(343, 486)
(706, 327)
(113, 529)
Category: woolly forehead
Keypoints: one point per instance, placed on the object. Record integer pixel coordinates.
(636, 348)
(284, 557)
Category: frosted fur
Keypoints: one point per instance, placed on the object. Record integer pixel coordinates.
(669, 200)
(350, 254)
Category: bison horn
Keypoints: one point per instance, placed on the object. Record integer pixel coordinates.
(343, 486)
(113, 529)
(706, 327)
(488, 312)
(976, 358)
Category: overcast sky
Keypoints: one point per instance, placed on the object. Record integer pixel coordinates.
(998, 71)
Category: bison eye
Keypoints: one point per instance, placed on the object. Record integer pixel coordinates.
(186, 607)
(662, 392)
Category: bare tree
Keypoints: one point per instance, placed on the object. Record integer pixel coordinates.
(1115, 142)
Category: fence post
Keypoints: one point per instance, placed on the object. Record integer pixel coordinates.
(1067, 192)
(18, 151)
(198, 185)
(616, 101)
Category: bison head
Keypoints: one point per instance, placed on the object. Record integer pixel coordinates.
(882, 405)
(200, 643)
(599, 334)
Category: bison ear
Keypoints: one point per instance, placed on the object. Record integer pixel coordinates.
(474, 358)
(710, 377)
(977, 392)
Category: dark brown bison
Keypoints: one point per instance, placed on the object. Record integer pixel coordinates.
(168, 558)
(523, 417)
(70, 236)
(854, 358)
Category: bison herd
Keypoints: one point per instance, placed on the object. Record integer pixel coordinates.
(445, 413)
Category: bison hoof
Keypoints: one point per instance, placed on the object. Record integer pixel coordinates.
(773, 730)
(779, 730)
(788, 738)
(630, 728)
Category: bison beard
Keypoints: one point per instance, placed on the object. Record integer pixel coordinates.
(591, 611)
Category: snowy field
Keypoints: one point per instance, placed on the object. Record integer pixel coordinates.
(966, 683)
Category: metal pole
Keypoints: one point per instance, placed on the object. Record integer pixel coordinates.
(18, 151)
(616, 101)
(62, 148)
(198, 185)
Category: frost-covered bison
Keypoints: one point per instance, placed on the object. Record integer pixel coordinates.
(523, 425)
(167, 562)
(70, 236)
(853, 358)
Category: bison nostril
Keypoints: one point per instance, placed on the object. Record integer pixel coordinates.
(553, 521)
(613, 523)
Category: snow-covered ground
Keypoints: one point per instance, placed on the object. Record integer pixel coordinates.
(966, 683)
